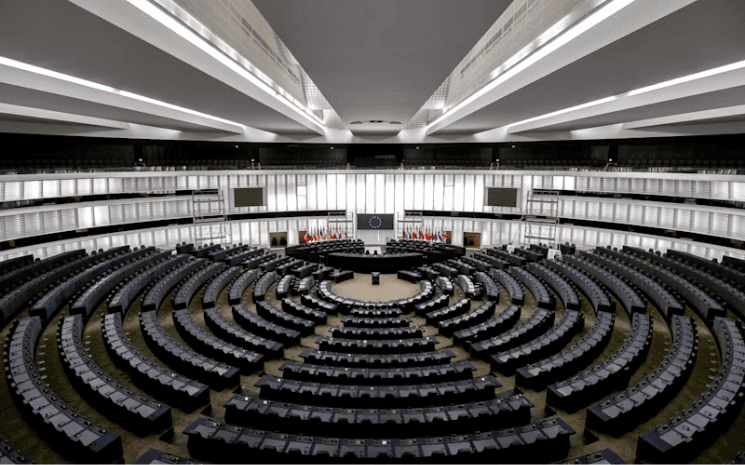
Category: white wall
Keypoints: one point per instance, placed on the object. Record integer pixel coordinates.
(371, 191)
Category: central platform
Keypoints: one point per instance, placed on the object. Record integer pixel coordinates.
(386, 263)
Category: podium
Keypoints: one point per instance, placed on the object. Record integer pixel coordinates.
(375, 278)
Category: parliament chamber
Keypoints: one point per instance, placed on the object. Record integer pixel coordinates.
(432, 231)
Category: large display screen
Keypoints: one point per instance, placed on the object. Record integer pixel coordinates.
(249, 197)
(501, 197)
(375, 221)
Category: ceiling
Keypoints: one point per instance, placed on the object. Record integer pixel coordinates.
(381, 59)
(372, 60)
(704, 35)
(63, 37)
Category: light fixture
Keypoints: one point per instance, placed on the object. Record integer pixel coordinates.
(643, 90)
(100, 87)
(605, 12)
(246, 69)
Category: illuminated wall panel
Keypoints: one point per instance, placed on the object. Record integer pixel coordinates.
(429, 192)
(291, 191)
(331, 193)
(399, 193)
(312, 192)
(361, 193)
(351, 192)
(380, 194)
(390, 197)
(458, 192)
(418, 192)
(322, 192)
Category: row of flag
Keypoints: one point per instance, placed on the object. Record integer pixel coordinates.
(425, 235)
(320, 234)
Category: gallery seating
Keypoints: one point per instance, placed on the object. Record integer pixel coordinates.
(391, 346)
(124, 297)
(8, 452)
(187, 290)
(262, 285)
(371, 322)
(152, 377)
(292, 369)
(458, 308)
(94, 269)
(611, 374)
(684, 436)
(658, 295)
(93, 295)
(597, 297)
(381, 396)
(301, 311)
(155, 456)
(469, 319)
(697, 299)
(560, 287)
(635, 404)
(543, 298)
(308, 419)
(194, 365)
(159, 290)
(264, 328)
(437, 303)
(240, 285)
(445, 285)
(627, 297)
(561, 365)
(416, 359)
(283, 319)
(75, 436)
(548, 343)
(490, 328)
(508, 282)
(224, 443)
(218, 284)
(219, 349)
(132, 410)
(375, 333)
(716, 285)
(538, 323)
(376, 313)
(284, 286)
(491, 289)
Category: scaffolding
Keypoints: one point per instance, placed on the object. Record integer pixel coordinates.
(541, 217)
(210, 218)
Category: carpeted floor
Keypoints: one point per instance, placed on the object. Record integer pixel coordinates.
(362, 288)
(173, 441)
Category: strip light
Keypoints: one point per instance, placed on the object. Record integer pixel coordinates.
(94, 85)
(591, 21)
(248, 71)
(644, 90)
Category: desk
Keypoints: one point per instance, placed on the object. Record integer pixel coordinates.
(380, 263)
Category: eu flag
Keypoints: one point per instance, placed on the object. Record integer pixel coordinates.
(374, 220)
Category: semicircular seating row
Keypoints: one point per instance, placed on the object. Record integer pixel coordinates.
(359, 392)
